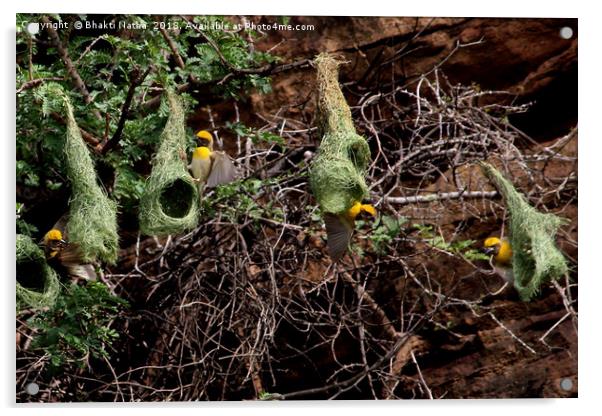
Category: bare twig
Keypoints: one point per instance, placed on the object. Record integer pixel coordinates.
(404, 200)
(426, 387)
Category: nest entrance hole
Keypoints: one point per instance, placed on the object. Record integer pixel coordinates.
(176, 199)
(30, 275)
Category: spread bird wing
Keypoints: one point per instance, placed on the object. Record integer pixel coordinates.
(70, 253)
(61, 224)
(222, 170)
(70, 257)
(81, 271)
(339, 232)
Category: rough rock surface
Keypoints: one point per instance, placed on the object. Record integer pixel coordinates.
(530, 59)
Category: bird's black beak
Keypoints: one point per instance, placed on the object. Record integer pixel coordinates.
(488, 250)
(203, 142)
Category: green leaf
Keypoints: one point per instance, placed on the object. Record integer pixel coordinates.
(77, 326)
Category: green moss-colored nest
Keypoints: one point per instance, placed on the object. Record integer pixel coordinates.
(92, 220)
(337, 175)
(37, 283)
(535, 257)
(170, 202)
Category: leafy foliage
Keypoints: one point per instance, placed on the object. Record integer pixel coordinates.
(24, 227)
(384, 230)
(242, 199)
(256, 136)
(464, 248)
(77, 327)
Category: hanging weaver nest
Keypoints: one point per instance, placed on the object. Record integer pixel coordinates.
(92, 220)
(37, 283)
(170, 201)
(535, 257)
(337, 174)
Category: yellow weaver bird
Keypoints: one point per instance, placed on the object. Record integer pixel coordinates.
(65, 256)
(210, 167)
(339, 228)
(501, 256)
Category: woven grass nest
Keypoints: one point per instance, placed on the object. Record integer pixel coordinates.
(337, 175)
(92, 220)
(535, 259)
(170, 202)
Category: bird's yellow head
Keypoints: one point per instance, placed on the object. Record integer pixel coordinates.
(204, 136)
(492, 242)
(357, 208)
(53, 235)
(499, 248)
(53, 242)
(201, 153)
